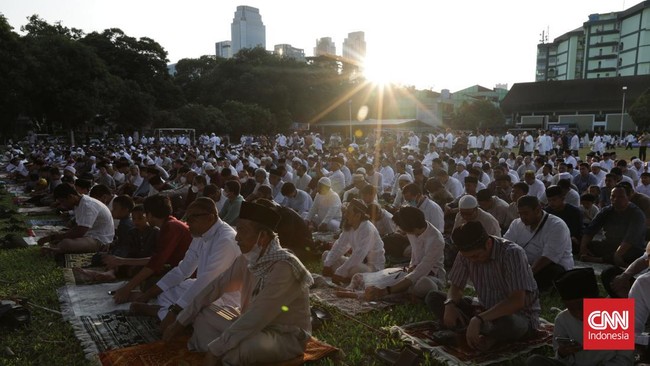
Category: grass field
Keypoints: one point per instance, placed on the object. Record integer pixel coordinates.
(50, 341)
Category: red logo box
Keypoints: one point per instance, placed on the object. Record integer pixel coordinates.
(608, 324)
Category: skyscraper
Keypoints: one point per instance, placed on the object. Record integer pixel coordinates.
(324, 47)
(288, 51)
(247, 29)
(354, 48)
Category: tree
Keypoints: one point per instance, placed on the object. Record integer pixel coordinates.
(12, 81)
(640, 111)
(477, 114)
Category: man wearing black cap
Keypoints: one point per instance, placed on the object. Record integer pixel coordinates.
(360, 235)
(274, 323)
(574, 286)
(504, 283)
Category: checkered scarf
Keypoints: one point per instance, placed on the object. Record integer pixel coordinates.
(274, 254)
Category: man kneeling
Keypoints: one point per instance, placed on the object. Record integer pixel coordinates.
(274, 324)
(504, 284)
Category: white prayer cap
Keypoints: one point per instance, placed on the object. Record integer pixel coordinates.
(406, 177)
(325, 181)
(595, 165)
(208, 166)
(467, 202)
(71, 169)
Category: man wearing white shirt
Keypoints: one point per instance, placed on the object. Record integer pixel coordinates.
(325, 213)
(468, 210)
(574, 145)
(644, 184)
(297, 200)
(545, 238)
(598, 172)
(461, 172)
(451, 184)
(509, 141)
(336, 175)
(426, 268)
(412, 194)
(212, 251)
(535, 186)
(449, 140)
(300, 179)
(359, 235)
(388, 175)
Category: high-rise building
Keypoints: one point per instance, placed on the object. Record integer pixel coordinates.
(607, 45)
(354, 48)
(325, 47)
(288, 51)
(247, 29)
(223, 49)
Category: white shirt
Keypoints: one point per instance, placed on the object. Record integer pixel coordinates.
(537, 189)
(302, 183)
(338, 181)
(209, 255)
(433, 213)
(575, 143)
(385, 224)
(510, 141)
(388, 175)
(489, 223)
(96, 216)
(325, 208)
(643, 189)
(366, 245)
(301, 203)
(454, 187)
(427, 254)
(553, 241)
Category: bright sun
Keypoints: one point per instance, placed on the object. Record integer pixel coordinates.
(379, 71)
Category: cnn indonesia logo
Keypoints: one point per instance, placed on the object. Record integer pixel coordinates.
(608, 324)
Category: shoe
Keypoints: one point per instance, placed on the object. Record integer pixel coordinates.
(407, 356)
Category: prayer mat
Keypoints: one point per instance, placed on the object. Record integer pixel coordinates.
(45, 222)
(99, 333)
(31, 240)
(326, 293)
(35, 210)
(176, 353)
(78, 260)
(598, 267)
(420, 334)
(88, 300)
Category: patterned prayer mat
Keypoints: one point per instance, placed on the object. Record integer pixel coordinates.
(176, 353)
(99, 333)
(78, 260)
(44, 222)
(35, 210)
(420, 334)
(88, 300)
(350, 306)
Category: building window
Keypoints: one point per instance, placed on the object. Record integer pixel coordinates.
(620, 61)
(599, 64)
(598, 76)
(620, 46)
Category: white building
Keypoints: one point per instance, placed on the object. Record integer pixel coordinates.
(325, 47)
(247, 29)
(223, 49)
(607, 45)
(354, 47)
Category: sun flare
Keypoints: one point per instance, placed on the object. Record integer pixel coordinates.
(379, 71)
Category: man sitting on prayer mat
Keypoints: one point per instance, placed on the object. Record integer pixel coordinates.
(574, 286)
(274, 324)
(360, 236)
(94, 229)
(426, 269)
(211, 252)
(504, 283)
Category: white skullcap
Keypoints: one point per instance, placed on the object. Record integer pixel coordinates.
(467, 202)
(565, 175)
(462, 162)
(208, 166)
(71, 169)
(325, 181)
(595, 165)
(361, 171)
(406, 177)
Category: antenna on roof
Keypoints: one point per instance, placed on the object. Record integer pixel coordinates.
(544, 36)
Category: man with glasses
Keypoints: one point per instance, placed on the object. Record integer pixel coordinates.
(507, 292)
(624, 227)
(212, 251)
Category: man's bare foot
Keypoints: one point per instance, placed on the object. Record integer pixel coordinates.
(140, 308)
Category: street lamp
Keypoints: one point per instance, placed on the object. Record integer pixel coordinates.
(622, 111)
(350, 110)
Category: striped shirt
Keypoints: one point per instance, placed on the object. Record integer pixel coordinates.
(506, 271)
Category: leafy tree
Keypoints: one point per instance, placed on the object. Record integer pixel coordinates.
(12, 81)
(37, 27)
(248, 118)
(477, 114)
(640, 110)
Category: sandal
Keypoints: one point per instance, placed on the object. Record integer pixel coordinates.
(319, 316)
(407, 356)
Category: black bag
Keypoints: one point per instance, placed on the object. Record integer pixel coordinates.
(13, 315)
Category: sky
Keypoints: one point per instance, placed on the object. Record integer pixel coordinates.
(431, 44)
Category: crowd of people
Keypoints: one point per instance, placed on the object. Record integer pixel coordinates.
(511, 213)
